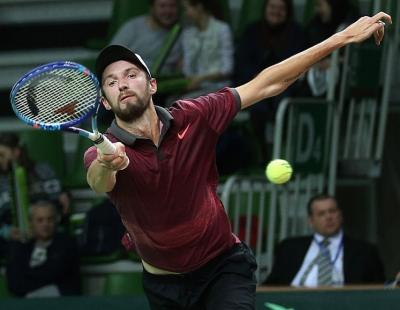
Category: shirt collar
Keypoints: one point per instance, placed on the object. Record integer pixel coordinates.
(334, 240)
(128, 138)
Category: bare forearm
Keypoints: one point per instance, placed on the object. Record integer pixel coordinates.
(100, 178)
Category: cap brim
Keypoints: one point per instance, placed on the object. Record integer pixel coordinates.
(113, 53)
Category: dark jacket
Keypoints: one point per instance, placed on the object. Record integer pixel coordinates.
(361, 261)
(61, 267)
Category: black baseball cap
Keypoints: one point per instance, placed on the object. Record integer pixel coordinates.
(113, 53)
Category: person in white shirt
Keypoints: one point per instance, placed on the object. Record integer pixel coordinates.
(327, 258)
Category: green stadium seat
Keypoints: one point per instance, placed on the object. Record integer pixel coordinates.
(101, 259)
(76, 177)
(4, 292)
(45, 146)
(127, 283)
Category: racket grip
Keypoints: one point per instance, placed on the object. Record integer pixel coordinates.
(104, 145)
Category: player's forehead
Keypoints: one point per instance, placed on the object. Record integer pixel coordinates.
(119, 67)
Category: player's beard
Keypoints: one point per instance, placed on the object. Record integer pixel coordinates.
(133, 111)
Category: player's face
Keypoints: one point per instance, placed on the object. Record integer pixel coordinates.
(326, 217)
(6, 157)
(165, 12)
(43, 223)
(275, 12)
(127, 90)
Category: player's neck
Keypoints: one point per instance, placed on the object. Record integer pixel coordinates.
(146, 126)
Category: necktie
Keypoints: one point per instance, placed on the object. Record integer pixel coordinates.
(323, 261)
(324, 264)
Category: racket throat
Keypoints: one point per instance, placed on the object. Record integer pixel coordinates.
(97, 138)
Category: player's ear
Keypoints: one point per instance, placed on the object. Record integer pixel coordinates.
(153, 86)
(105, 103)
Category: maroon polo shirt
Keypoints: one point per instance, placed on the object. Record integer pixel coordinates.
(167, 197)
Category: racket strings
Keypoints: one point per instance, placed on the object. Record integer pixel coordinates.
(57, 96)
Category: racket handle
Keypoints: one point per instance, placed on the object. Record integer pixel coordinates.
(104, 145)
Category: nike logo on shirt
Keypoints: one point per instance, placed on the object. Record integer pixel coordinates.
(182, 134)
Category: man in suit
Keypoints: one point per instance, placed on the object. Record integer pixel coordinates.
(328, 257)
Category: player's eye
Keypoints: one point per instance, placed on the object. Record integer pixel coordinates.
(112, 83)
(132, 75)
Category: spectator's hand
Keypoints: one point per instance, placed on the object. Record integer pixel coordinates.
(367, 26)
(114, 162)
(17, 235)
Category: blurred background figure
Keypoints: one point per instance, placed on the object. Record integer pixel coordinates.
(48, 263)
(329, 17)
(207, 48)
(102, 231)
(268, 41)
(146, 34)
(42, 183)
(328, 257)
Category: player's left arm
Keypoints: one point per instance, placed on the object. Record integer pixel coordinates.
(275, 79)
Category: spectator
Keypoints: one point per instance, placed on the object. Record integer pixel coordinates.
(48, 264)
(330, 16)
(207, 48)
(268, 41)
(103, 230)
(328, 257)
(42, 184)
(146, 34)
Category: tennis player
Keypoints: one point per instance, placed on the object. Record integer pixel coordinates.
(163, 177)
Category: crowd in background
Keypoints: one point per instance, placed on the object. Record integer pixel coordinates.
(209, 55)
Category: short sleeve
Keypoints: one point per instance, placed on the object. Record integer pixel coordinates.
(89, 156)
(217, 108)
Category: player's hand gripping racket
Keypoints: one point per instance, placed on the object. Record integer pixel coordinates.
(57, 96)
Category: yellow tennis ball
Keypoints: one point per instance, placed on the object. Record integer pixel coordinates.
(278, 171)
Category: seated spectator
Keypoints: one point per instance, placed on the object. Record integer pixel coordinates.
(207, 48)
(103, 230)
(328, 257)
(43, 183)
(46, 265)
(146, 34)
(329, 17)
(275, 37)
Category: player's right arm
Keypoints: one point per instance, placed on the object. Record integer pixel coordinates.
(102, 172)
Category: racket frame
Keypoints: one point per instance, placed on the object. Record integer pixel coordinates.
(99, 139)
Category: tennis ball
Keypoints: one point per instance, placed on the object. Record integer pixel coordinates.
(278, 171)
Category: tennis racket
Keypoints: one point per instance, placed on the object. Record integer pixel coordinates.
(58, 96)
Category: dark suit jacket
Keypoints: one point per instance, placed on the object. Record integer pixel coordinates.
(361, 261)
(61, 267)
